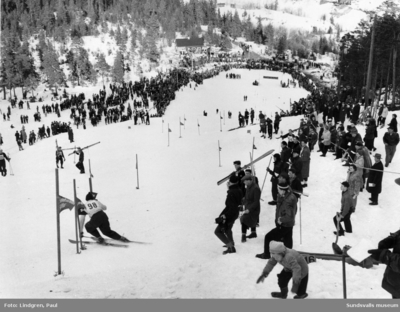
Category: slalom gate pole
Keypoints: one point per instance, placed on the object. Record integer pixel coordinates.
(74, 153)
(198, 126)
(219, 154)
(220, 122)
(76, 220)
(344, 277)
(180, 127)
(58, 224)
(11, 170)
(137, 171)
(300, 220)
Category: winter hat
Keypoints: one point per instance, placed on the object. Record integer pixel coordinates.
(353, 130)
(233, 179)
(248, 170)
(91, 195)
(276, 247)
(245, 178)
(283, 186)
(378, 156)
(359, 144)
(237, 162)
(345, 184)
(284, 143)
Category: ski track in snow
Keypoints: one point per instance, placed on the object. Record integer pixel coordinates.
(176, 205)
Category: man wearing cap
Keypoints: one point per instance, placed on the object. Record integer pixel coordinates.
(285, 214)
(251, 214)
(98, 219)
(229, 215)
(80, 164)
(346, 210)
(294, 266)
(305, 160)
(3, 168)
(374, 182)
(295, 183)
(391, 139)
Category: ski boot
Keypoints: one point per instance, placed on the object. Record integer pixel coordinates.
(282, 294)
(303, 296)
(243, 238)
(124, 239)
(252, 235)
(229, 250)
(100, 240)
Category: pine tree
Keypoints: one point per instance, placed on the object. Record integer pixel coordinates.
(9, 52)
(150, 46)
(51, 68)
(102, 66)
(118, 68)
(282, 44)
(25, 64)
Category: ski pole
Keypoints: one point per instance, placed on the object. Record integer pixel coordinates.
(265, 176)
(300, 219)
(11, 171)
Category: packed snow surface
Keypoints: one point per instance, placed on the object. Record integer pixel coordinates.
(176, 204)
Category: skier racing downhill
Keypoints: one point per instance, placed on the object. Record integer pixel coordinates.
(98, 219)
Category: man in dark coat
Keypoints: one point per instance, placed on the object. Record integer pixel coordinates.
(70, 135)
(374, 183)
(393, 123)
(285, 152)
(80, 165)
(3, 168)
(297, 164)
(355, 113)
(285, 216)
(295, 183)
(229, 215)
(391, 140)
(279, 167)
(240, 174)
(391, 277)
(251, 213)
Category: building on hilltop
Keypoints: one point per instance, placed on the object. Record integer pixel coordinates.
(226, 3)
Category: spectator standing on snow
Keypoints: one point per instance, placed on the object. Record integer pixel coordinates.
(229, 215)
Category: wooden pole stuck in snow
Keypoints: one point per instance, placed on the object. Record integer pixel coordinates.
(137, 171)
(180, 124)
(58, 224)
(76, 219)
(220, 123)
(219, 153)
(198, 126)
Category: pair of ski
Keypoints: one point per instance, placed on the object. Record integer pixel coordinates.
(107, 242)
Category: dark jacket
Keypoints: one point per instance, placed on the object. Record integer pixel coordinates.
(252, 203)
(286, 209)
(81, 156)
(232, 202)
(295, 185)
(279, 167)
(391, 277)
(391, 140)
(297, 165)
(285, 154)
(375, 177)
(393, 124)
